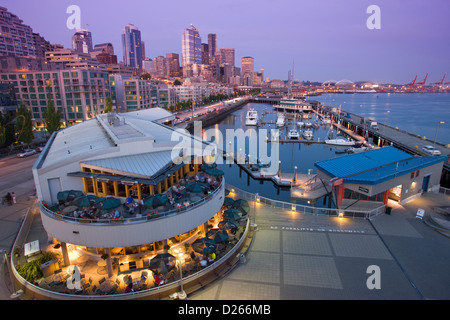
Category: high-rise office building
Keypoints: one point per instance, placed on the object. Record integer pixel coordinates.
(132, 46)
(16, 38)
(191, 47)
(227, 56)
(212, 46)
(248, 68)
(205, 53)
(174, 64)
(82, 41)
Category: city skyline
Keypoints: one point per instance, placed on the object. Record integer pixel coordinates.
(326, 41)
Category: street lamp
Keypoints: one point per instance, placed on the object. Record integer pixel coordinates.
(182, 294)
(385, 118)
(435, 136)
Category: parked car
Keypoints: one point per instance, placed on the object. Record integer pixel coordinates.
(26, 153)
(40, 149)
(431, 150)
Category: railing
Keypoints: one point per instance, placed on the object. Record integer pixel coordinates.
(161, 290)
(444, 190)
(307, 209)
(131, 220)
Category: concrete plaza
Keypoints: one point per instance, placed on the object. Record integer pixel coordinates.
(298, 256)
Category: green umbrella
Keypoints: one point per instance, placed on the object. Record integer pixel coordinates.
(218, 235)
(155, 200)
(82, 201)
(242, 205)
(228, 225)
(108, 203)
(196, 187)
(232, 214)
(229, 201)
(204, 245)
(69, 195)
(206, 166)
(162, 263)
(214, 172)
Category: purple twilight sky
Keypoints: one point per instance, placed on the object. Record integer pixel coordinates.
(325, 39)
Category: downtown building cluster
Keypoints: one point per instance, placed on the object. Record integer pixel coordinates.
(79, 80)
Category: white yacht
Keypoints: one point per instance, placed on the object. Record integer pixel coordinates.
(308, 134)
(293, 134)
(326, 120)
(280, 120)
(340, 141)
(300, 124)
(308, 124)
(252, 118)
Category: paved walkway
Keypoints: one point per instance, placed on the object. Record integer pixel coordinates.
(302, 256)
(296, 256)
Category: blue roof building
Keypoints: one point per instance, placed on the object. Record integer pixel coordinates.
(385, 171)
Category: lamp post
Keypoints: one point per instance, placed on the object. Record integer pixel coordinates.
(182, 294)
(385, 119)
(435, 136)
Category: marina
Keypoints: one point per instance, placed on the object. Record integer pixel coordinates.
(323, 120)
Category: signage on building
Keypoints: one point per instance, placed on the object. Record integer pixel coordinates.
(365, 190)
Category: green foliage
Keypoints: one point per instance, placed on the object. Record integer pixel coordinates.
(32, 270)
(24, 125)
(108, 105)
(52, 118)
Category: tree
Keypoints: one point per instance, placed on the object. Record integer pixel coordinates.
(146, 76)
(7, 133)
(108, 105)
(177, 83)
(52, 118)
(24, 125)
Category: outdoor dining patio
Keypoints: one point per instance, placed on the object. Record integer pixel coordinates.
(187, 191)
(158, 267)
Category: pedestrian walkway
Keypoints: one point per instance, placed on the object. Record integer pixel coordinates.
(303, 256)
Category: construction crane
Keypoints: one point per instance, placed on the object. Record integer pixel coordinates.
(439, 83)
(423, 82)
(412, 82)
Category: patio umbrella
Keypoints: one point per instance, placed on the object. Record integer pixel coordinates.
(155, 200)
(108, 203)
(228, 225)
(242, 205)
(214, 172)
(229, 201)
(162, 263)
(69, 194)
(232, 214)
(86, 201)
(204, 246)
(196, 187)
(218, 235)
(206, 166)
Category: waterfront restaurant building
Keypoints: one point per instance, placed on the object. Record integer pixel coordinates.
(120, 155)
(378, 175)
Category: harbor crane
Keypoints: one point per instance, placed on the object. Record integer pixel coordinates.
(439, 83)
(423, 81)
(412, 82)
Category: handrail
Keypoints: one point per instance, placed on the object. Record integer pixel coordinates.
(131, 220)
(307, 209)
(137, 294)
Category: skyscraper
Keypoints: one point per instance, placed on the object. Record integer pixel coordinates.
(227, 56)
(82, 41)
(16, 38)
(191, 47)
(248, 68)
(174, 64)
(132, 46)
(212, 46)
